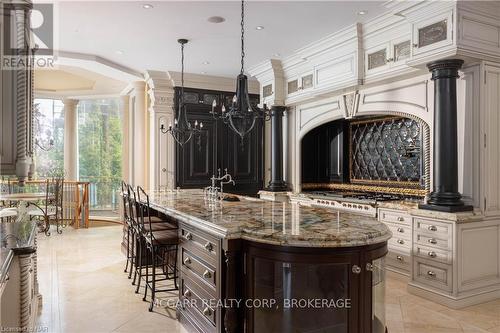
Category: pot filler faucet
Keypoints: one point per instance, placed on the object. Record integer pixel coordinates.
(213, 192)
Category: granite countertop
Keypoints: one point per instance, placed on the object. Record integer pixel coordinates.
(411, 207)
(15, 238)
(271, 222)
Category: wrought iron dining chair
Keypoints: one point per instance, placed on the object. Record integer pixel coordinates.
(51, 209)
(130, 228)
(161, 245)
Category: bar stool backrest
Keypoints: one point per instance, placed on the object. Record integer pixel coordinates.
(125, 198)
(132, 208)
(143, 206)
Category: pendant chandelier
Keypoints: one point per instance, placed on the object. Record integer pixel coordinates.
(182, 131)
(240, 115)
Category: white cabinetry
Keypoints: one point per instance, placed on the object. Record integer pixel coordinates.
(387, 57)
(491, 155)
(398, 258)
(432, 33)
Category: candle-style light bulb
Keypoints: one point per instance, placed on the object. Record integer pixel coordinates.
(214, 103)
(195, 123)
(169, 125)
(234, 99)
(201, 125)
(175, 122)
(223, 108)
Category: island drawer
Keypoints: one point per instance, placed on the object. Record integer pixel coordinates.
(433, 254)
(432, 227)
(399, 230)
(200, 243)
(396, 216)
(433, 241)
(433, 274)
(202, 304)
(196, 266)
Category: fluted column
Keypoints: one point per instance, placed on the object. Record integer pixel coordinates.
(445, 195)
(70, 139)
(140, 149)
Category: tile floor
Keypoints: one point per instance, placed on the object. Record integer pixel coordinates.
(85, 290)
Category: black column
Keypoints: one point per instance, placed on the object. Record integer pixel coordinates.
(445, 196)
(277, 183)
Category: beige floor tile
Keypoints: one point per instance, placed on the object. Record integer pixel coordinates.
(85, 290)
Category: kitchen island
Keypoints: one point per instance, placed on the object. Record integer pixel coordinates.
(257, 266)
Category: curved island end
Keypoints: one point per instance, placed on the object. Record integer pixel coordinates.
(260, 266)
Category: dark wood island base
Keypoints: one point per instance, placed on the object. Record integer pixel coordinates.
(256, 266)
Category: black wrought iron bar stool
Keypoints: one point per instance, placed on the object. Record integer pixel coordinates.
(162, 246)
(128, 223)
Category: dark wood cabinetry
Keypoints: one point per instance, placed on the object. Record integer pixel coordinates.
(325, 153)
(220, 147)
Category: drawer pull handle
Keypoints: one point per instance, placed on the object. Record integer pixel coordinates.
(187, 261)
(207, 274)
(432, 254)
(431, 273)
(401, 219)
(401, 230)
(356, 269)
(187, 293)
(433, 241)
(400, 258)
(189, 236)
(209, 247)
(207, 312)
(400, 241)
(432, 228)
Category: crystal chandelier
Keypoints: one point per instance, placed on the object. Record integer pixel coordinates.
(182, 131)
(242, 115)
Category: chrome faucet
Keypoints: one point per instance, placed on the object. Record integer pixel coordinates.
(213, 192)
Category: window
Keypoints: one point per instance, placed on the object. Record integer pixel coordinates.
(49, 138)
(100, 153)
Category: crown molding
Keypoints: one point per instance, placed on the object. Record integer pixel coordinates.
(209, 82)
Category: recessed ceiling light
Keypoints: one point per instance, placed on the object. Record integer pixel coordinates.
(147, 6)
(119, 52)
(203, 72)
(277, 55)
(216, 19)
(362, 12)
(259, 27)
(205, 63)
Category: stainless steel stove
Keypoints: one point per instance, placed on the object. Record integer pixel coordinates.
(356, 202)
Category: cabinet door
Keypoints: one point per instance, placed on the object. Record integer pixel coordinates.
(491, 178)
(243, 159)
(195, 164)
(377, 58)
(433, 33)
(400, 50)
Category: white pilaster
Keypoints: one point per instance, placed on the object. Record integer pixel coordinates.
(161, 112)
(70, 139)
(139, 154)
(124, 110)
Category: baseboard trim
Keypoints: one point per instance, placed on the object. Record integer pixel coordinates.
(451, 301)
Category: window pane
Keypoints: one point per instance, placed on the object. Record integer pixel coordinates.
(49, 127)
(100, 153)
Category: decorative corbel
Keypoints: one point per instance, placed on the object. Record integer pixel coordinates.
(350, 103)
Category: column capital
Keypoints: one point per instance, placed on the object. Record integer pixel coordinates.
(445, 69)
(139, 85)
(70, 103)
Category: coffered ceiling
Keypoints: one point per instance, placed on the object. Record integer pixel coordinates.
(146, 39)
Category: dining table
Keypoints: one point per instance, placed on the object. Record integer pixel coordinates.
(25, 200)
